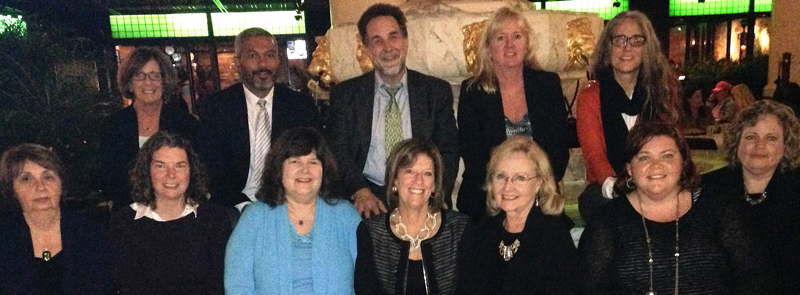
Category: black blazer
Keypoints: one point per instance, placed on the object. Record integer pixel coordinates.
(119, 145)
(481, 123)
(86, 258)
(350, 132)
(224, 138)
(546, 262)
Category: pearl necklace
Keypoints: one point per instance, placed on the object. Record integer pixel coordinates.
(650, 249)
(401, 230)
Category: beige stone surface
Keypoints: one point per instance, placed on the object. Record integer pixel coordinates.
(783, 38)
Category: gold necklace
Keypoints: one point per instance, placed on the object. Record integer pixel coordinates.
(401, 230)
(650, 249)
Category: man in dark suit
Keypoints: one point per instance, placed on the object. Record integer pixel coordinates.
(359, 107)
(238, 124)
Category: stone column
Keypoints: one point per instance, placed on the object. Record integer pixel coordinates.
(348, 11)
(783, 38)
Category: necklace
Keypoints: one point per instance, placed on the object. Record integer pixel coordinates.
(46, 255)
(754, 199)
(509, 251)
(650, 249)
(300, 219)
(424, 233)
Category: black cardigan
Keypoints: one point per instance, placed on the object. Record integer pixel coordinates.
(481, 127)
(119, 145)
(85, 255)
(775, 223)
(382, 260)
(546, 262)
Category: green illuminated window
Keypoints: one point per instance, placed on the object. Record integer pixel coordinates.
(159, 25)
(276, 22)
(605, 9)
(9, 21)
(710, 7)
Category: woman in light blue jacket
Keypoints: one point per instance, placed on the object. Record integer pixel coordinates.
(295, 239)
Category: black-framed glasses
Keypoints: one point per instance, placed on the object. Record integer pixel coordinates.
(153, 76)
(622, 40)
(502, 179)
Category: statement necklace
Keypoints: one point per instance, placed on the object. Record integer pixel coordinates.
(650, 249)
(754, 199)
(508, 251)
(401, 230)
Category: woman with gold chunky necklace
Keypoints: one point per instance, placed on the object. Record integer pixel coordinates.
(418, 247)
(662, 235)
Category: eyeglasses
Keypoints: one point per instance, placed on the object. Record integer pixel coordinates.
(622, 40)
(502, 179)
(154, 76)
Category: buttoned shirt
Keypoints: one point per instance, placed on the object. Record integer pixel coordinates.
(375, 167)
(251, 187)
(147, 211)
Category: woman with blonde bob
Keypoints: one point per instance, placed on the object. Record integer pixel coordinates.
(536, 253)
(508, 96)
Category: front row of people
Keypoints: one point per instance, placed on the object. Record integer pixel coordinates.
(663, 234)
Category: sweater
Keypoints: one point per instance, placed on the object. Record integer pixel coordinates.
(716, 254)
(259, 258)
(84, 256)
(545, 263)
(774, 223)
(180, 256)
(382, 264)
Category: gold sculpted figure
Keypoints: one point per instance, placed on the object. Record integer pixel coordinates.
(580, 44)
(321, 66)
(472, 39)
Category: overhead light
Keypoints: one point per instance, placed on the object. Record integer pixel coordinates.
(616, 4)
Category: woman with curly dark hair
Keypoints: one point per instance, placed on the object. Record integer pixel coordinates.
(297, 239)
(762, 145)
(170, 240)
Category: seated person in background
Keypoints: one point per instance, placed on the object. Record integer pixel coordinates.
(43, 249)
(741, 98)
(662, 235)
(506, 98)
(696, 115)
(537, 254)
(762, 145)
(720, 102)
(371, 113)
(634, 84)
(149, 79)
(170, 240)
(238, 124)
(419, 246)
(298, 238)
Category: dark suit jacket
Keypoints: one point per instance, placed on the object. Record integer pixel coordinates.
(481, 123)
(85, 256)
(350, 132)
(224, 138)
(119, 145)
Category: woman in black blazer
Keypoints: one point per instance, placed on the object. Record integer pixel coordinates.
(149, 79)
(507, 97)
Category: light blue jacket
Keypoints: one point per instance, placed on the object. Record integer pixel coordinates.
(259, 255)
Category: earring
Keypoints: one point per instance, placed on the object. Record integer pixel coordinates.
(536, 202)
(630, 184)
(394, 189)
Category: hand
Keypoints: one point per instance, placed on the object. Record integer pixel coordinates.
(367, 203)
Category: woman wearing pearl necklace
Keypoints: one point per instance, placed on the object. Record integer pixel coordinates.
(661, 236)
(418, 246)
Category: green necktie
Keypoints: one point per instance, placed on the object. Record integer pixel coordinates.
(394, 124)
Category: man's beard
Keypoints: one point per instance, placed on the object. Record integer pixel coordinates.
(249, 77)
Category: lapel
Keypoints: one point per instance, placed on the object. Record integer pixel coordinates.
(279, 118)
(240, 132)
(417, 98)
(364, 99)
(529, 81)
